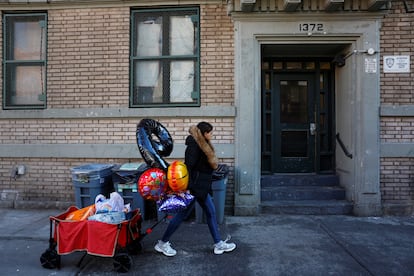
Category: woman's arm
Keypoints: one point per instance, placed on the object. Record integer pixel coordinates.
(192, 155)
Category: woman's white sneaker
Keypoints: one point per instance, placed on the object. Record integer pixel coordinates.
(165, 248)
(224, 246)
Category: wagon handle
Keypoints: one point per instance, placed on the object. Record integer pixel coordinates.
(149, 230)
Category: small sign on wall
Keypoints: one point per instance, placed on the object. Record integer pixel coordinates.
(396, 64)
(371, 65)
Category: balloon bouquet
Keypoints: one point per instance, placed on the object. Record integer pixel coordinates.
(162, 182)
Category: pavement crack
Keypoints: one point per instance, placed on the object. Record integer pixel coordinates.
(344, 246)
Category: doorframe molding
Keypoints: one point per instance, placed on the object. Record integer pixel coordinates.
(362, 178)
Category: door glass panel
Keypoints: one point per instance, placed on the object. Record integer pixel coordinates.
(321, 81)
(322, 121)
(268, 144)
(265, 65)
(293, 65)
(310, 65)
(322, 101)
(294, 143)
(268, 104)
(268, 121)
(325, 65)
(267, 81)
(277, 65)
(293, 102)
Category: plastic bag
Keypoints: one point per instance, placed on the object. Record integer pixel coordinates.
(110, 217)
(115, 203)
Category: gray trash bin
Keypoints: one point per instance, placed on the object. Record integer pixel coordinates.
(89, 180)
(218, 187)
(125, 179)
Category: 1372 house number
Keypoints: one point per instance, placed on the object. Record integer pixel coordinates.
(311, 27)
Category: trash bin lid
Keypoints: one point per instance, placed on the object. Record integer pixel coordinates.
(91, 168)
(131, 166)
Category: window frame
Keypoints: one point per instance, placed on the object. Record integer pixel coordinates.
(6, 62)
(166, 13)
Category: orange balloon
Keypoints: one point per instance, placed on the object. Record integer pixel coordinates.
(177, 176)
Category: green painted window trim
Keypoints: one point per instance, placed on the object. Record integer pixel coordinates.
(42, 62)
(196, 57)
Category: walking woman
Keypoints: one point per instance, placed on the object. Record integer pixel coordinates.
(201, 161)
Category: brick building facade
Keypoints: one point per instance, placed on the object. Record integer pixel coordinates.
(397, 190)
(88, 115)
(87, 118)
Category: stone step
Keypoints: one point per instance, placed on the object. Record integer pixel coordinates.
(299, 180)
(307, 207)
(302, 193)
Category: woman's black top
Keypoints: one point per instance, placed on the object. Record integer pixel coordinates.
(198, 168)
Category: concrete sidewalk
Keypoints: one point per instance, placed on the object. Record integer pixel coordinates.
(266, 245)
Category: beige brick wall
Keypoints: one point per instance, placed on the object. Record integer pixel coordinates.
(101, 131)
(217, 56)
(88, 58)
(397, 129)
(88, 67)
(397, 177)
(50, 180)
(397, 38)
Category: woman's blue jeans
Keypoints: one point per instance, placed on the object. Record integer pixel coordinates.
(210, 212)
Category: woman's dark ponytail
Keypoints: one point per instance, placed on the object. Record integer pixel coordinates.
(204, 127)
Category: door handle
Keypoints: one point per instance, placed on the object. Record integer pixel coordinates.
(312, 128)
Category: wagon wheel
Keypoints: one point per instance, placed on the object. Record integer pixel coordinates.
(122, 262)
(50, 259)
(134, 247)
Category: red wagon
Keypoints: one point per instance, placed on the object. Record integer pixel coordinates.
(94, 237)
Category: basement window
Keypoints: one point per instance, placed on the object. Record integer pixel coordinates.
(165, 57)
(24, 66)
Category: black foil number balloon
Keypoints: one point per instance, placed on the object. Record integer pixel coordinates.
(154, 142)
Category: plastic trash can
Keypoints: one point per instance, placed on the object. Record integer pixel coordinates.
(90, 180)
(218, 188)
(125, 179)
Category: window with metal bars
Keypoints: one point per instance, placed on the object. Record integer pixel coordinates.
(165, 57)
(24, 61)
